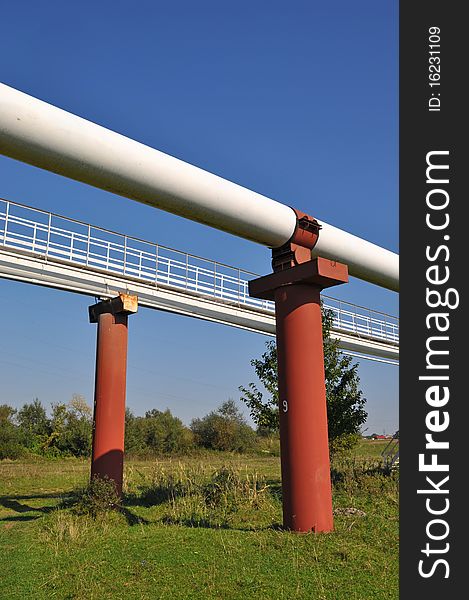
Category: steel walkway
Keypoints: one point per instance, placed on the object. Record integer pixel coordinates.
(47, 249)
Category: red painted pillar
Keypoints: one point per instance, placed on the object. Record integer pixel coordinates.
(306, 480)
(110, 383)
(306, 485)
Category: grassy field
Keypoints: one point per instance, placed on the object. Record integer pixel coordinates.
(204, 527)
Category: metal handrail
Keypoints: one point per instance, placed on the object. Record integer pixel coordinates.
(96, 247)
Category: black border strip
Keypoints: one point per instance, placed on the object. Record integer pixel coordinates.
(432, 120)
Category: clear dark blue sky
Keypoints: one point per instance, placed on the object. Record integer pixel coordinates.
(295, 100)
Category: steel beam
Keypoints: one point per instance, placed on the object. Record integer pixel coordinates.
(59, 274)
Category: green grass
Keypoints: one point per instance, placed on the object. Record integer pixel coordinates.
(195, 529)
(371, 448)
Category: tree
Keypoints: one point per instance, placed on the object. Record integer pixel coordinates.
(78, 434)
(32, 419)
(10, 440)
(7, 414)
(345, 402)
(224, 429)
(67, 432)
(71, 428)
(134, 434)
(34, 426)
(264, 409)
(158, 432)
(165, 433)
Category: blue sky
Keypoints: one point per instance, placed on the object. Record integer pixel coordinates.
(295, 100)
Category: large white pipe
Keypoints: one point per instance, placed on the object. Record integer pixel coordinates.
(45, 136)
(364, 259)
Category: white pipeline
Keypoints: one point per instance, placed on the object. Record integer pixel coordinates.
(45, 136)
(364, 259)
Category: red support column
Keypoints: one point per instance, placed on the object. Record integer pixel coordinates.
(306, 485)
(110, 383)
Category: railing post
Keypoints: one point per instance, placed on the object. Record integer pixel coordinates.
(125, 254)
(5, 229)
(168, 278)
(34, 237)
(88, 245)
(49, 224)
(156, 263)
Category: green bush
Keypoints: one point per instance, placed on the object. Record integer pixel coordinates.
(30, 431)
(343, 444)
(10, 438)
(98, 498)
(71, 426)
(225, 429)
(157, 433)
(10, 445)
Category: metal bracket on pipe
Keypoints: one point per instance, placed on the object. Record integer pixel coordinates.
(298, 249)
